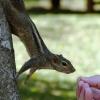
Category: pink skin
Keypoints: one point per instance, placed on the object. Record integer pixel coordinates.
(88, 88)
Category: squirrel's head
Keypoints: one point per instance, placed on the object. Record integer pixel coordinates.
(61, 64)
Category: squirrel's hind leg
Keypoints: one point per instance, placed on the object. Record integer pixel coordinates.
(32, 70)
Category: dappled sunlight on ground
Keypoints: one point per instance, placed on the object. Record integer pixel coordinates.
(41, 89)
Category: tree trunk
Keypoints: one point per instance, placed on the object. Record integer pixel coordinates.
(55, 4)
(90, 5)
(8, 86)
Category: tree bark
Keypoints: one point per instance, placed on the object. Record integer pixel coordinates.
(8, 86)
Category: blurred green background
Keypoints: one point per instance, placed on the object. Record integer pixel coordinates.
(76, 36)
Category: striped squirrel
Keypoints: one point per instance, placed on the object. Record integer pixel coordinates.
(23, 27)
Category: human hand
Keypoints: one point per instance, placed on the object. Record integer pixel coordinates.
(88, 88)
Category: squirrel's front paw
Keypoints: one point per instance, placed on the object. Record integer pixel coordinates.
(16, 76)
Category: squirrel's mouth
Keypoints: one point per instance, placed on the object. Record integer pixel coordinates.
(67, 72)
(73, 70)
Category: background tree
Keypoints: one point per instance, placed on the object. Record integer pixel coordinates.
(90, 4)
(55, 4)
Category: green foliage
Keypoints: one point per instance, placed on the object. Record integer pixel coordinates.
(41, 89)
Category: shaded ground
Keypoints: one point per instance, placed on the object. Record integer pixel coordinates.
(41, 89)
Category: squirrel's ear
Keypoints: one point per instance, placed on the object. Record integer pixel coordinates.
(55, 59)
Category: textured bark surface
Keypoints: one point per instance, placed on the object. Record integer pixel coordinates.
(8, 86)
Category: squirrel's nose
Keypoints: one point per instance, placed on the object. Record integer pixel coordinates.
(73, 70)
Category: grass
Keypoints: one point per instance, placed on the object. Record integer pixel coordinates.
(74, 36)
(41, 89)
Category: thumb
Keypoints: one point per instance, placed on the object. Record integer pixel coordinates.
(93, 81)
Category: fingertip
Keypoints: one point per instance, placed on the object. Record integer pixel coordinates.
(80, 83)
(79, 78)
(88, 93)
(79, 88)
(86, 85)
(85, 79)
(93, 81)
(82, 93)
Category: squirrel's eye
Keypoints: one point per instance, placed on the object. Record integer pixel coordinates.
(64, 63)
